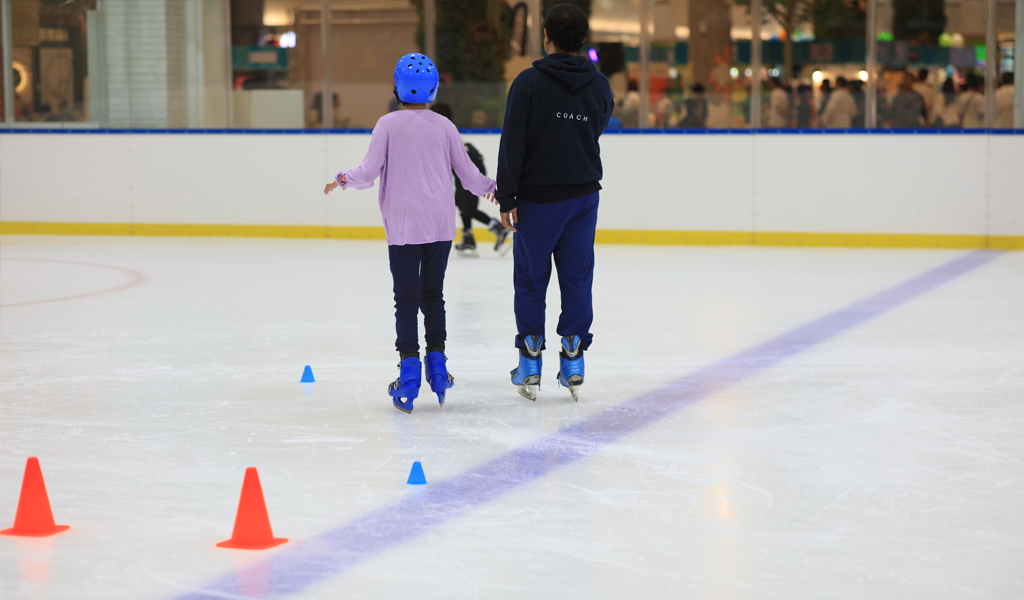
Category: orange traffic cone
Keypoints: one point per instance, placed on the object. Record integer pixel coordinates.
(34, 517)
(252, 523)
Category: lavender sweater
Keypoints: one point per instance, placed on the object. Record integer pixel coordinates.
(413, 152)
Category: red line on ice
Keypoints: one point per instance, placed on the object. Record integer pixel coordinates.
(137, 278)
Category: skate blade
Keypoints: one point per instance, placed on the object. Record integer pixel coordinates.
(401, 406)
(503, 251)
(468, 253)
(440, 386)
(528, 391)
(573, 384)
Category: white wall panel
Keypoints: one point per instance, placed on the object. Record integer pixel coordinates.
(677, 182)
(228, 179)
(1006, 185)
(66, 178)
(871, 183)
(788, 183)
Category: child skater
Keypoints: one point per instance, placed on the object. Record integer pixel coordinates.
(414, 151)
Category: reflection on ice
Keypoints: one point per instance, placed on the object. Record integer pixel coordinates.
(34, 558)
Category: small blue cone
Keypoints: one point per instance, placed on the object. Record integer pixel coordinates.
(416, 476)
(307, 375)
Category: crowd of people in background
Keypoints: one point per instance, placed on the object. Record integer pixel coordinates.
(917, 101)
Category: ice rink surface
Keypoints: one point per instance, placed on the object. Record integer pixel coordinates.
(886, 461)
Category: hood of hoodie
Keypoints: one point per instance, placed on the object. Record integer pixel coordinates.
(573, 72)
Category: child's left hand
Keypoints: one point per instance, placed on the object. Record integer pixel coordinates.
(330, 186)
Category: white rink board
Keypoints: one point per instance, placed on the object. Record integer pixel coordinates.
(925, 184)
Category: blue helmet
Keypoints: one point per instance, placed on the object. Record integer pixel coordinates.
(416, 79)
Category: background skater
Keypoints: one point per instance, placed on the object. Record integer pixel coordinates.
(549, 168)
(469, 203)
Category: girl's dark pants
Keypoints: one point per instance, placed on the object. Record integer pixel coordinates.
(418, 273)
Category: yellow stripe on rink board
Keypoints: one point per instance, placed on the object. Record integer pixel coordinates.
(604, 236)
(192, 230)
(815, 240)
(674, 238)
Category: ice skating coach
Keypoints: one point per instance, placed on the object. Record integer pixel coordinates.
(549, 172)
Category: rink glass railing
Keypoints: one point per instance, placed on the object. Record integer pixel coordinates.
(736, 131)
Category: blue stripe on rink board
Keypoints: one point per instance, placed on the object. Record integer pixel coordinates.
(84, 131)
(332, 553)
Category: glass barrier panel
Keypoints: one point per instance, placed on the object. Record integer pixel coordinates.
(478, 58)
(276, 62)
(366, 41)
(931, 60)
(614, 42)
(698, 77)
(121, 63)
(224, 63)
(50, 62)
(829, 61)
(705, 80)
(1006, 41)
(927, 59)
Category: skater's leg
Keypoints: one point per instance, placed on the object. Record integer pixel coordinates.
(405, 271)
(499, 231)
(483, 217)
(431, 301)
(467, 209)
(539, 228)
(574, 260)
(467, 220)
(467, 206)
(536, 238)
(432, 270)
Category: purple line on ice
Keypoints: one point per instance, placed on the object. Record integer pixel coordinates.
(312, 561)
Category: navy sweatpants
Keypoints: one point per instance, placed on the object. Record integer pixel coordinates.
(418, 273)
(563, 230)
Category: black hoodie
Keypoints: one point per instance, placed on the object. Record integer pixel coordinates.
(555, 113)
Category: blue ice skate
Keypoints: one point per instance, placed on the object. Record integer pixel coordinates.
(438, 377)
(570, 362)
(407, 385)
(500, 235)
(527, 374)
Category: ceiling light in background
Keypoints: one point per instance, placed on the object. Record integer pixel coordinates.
(277, 16)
